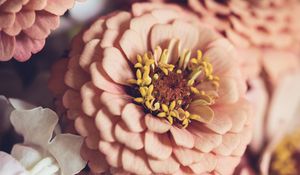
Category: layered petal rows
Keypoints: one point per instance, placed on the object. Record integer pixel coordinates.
(120, 135)
(265, 32)
(25, 24)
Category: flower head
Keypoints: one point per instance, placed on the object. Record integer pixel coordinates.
(26, 24)
(42, 151)
(155, 92)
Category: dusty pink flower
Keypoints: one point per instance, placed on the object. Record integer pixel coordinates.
(265, 32)
(247, 23)
(154, 91)
(25, 24)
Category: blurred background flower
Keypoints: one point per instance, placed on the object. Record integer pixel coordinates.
(264, 32)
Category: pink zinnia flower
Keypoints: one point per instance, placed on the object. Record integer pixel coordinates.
(155, 92)
(265, 32)
(26, 24)
(265, 23)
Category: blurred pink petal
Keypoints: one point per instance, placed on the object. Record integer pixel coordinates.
(25, 21)
(25, 44)
(7, 46)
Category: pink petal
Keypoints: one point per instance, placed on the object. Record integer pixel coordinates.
(167, 166)
(236, 39)
(24, 19)
(166, 15)
(161, 34)
(105, 123)
(228, 91)
(133, 117)
(72, 99)
(90, 99)
(119, 20)
(206, 36)
(11, 6)
(112, 151)
(187, 35)
(76, 77)
(7, 46)
(238, 114)
(132, 45)
(157, 125)
(205, 140)
(135, 162)
(206, 163)
(85, 126)
(96, 160)
(102, 81)
(7, 19)
(142, 26)
(119, 102)
(230, 142)
(89, 54)
(44, 23)
(186, 156)
(222, 57)
(182, 137)
(277, 63)
(95, 31)
(226, 165)
(158, 145)
(220, 124)
(36, 5)
(131, 140)
(109, 38)
(25, 46)
(58, 7)
(116, 66)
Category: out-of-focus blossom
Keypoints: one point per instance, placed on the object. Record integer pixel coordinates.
(283, 144)
(267, 23)
(265, 32)
(26, 24)
(116, 85)
(10, 166)
(42, 152)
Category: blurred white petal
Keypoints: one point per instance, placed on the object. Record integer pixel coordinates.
(36, 125)
(28, 156)
(85, 11)
(10, 166)
(63, 147)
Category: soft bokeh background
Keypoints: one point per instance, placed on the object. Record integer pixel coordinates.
(28, 80)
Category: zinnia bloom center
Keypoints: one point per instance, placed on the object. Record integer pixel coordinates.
(166, 87)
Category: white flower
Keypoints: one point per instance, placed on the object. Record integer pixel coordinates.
(41, 153)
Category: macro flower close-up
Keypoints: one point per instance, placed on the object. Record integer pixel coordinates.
(24, 25)
(149, 87)
(171, 94)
